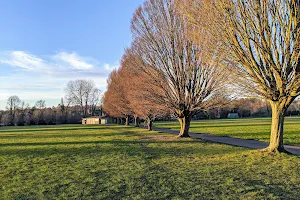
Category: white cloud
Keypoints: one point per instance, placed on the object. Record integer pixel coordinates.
(25, 61)
(110, 68)
(60, 62)
(74, 60)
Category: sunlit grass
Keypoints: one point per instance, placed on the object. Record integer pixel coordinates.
(116, 162)
(257, 128)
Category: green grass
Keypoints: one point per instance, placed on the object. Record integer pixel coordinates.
(116, 162)
(255, 128)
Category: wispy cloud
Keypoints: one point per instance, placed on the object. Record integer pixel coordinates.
(25, 61)
(30, 62)
(74, 60)
(60, 62)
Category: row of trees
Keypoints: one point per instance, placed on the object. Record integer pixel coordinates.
(82, 99)
(164, 72)
(131, 92)
(191, 56)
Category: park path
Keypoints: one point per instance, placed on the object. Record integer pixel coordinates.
(253, 144)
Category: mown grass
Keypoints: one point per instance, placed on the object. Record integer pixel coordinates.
(116, 162)
(255, 128)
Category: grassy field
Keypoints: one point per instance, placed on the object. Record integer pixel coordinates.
(256, 128)
(116, 162)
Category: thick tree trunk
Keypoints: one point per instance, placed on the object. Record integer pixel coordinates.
(127, 121)
(185, 122)
(149, 125)
(276, 137)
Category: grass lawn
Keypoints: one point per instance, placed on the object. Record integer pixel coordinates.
(116, 162)
(255, 128)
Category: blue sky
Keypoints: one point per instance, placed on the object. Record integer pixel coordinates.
(44, 44)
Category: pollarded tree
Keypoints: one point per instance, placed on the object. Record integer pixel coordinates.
(262, 38)
(114, 101)
(190, 72)
(141, 90)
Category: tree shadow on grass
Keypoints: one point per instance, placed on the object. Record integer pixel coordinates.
(114, 142)
(59, 135)
(46, 129)
(131, 148)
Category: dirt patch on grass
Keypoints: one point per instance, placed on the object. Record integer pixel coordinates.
(160, 138)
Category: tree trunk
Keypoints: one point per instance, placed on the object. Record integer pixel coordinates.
(127, 121)
(185, 122)
(276, 137)
(119, 120)
(85, 109)
(136, 122)
(149, 124)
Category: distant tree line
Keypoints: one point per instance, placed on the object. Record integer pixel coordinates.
(248, 107)
(82, 99)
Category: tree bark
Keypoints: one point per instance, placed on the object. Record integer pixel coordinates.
(149, 124)
(276, 137)
(127, 121)
(185, 122)
(136, 122)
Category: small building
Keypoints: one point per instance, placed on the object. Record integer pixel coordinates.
(233, 116)
(98, 120)
(91, 120)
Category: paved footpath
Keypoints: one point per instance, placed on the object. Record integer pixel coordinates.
(253, 144)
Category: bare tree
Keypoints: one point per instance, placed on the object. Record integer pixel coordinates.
(19, 119)
(88, 87)
(94, 100)
(13, 103)
(190, 73)
(62, 110)
(28, 117)
(40, 104)
(39, 112)
(6, 119)
(262, 39)
(81, 92)
(75, 92)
